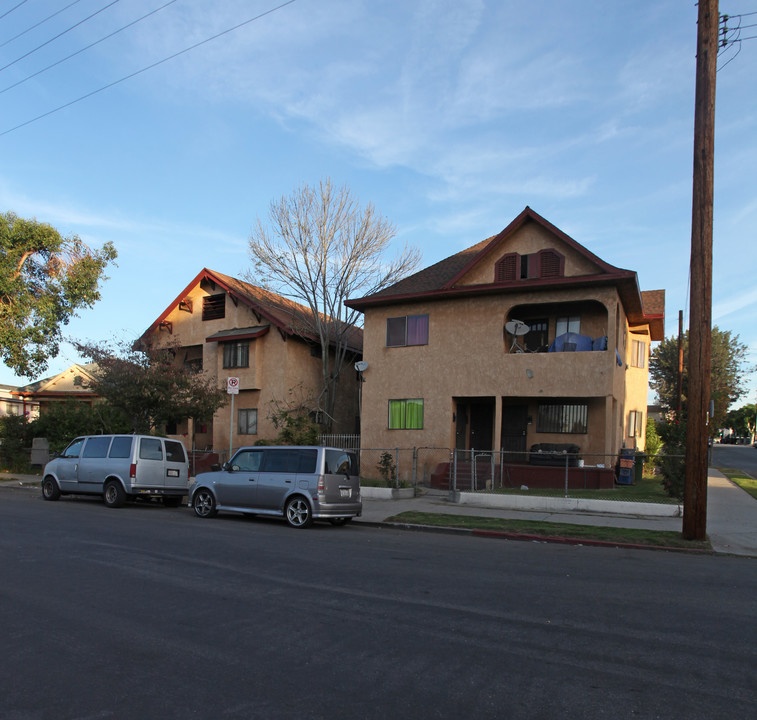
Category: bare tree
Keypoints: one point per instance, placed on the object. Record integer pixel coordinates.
(320, 248)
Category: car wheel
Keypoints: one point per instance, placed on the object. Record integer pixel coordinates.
(114, 495)
(338, 522)
(297, 513)
(204, 504)
(171, 500)
(50, 489)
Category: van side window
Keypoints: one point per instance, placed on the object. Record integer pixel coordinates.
(97, 447)
(120, 447)
(306, 460)
(73, 450)
(175, 451)
(279, 461)
(247, 460)
(150, 449)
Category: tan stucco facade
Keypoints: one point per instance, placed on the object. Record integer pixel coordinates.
(472, 367)
(281, 367)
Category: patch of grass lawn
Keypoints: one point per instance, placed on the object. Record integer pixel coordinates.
(648, 489)
(743, 480)
(652, 538)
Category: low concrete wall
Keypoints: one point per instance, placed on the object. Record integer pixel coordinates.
(534, 502)
(384, 493)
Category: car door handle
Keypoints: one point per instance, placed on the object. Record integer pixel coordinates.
(288, 481)
(252, 479)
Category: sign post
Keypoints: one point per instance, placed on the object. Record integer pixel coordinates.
(232, 388)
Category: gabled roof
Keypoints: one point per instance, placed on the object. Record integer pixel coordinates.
(68, 382)
(288, 317)
(442, 280)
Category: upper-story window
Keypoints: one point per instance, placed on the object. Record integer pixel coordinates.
(236, 354)
(214, 307)
(638, 353)
(571, 324)
(542, 264)
(407, 330)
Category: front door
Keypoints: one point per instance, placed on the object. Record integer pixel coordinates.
(514, 432)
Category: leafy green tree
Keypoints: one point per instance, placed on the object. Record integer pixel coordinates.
(149, 386)
(742, 420)
(61, 422)
(728, 368)
(44, 280)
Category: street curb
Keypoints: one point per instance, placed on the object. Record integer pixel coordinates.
(521, 537)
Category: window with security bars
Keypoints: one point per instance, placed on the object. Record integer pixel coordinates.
(638, 353)
(236, 354)
(563, 418)
(214, 307)
(635, 420)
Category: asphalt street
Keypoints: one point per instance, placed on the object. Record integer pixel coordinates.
(150, 612)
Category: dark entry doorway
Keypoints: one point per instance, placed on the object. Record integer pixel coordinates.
(474, 423)
(514, 432)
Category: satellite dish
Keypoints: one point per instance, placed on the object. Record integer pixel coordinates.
(361, 366)
(517, 327)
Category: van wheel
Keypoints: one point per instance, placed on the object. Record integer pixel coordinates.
(338, 522)
(114, 495)
(297, 513)
(204, 504)
(50, 489)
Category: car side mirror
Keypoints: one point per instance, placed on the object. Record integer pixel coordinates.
(215, 467)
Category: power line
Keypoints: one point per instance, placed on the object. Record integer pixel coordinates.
(39, 47)
(148, 67)
(36, 25)
(12, 9)
(91, 45)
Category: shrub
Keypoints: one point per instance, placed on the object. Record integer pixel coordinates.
(673, 461)
(387, 467)
(15, 443)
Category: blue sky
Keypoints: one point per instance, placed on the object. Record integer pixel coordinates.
(449, 116)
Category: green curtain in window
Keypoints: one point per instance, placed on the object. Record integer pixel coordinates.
(396, 414)
(414, 414)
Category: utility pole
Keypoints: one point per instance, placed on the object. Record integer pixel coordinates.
(700, 314)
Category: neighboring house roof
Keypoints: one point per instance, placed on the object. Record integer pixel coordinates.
(288, 317)
(442, 280)
(72, 382)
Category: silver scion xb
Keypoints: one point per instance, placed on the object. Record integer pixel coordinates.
(299, 483)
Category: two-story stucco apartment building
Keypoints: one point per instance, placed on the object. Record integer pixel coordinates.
(525, 338)
(230, 328)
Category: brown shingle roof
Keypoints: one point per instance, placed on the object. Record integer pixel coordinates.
(289, 317)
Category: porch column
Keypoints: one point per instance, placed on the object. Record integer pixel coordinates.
(497, 440)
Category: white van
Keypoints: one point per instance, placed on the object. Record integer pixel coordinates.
(119, 467)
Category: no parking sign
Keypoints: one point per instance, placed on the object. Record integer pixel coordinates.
(232, 385)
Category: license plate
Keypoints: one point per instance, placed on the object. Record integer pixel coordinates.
(173, 473)
(345, 492)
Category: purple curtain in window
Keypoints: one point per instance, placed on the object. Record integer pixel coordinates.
(417, 330)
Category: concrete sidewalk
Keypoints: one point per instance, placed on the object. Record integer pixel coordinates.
(731, 512)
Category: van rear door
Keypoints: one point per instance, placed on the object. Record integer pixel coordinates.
(150, 467)
(341, 480)
(177, 465)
